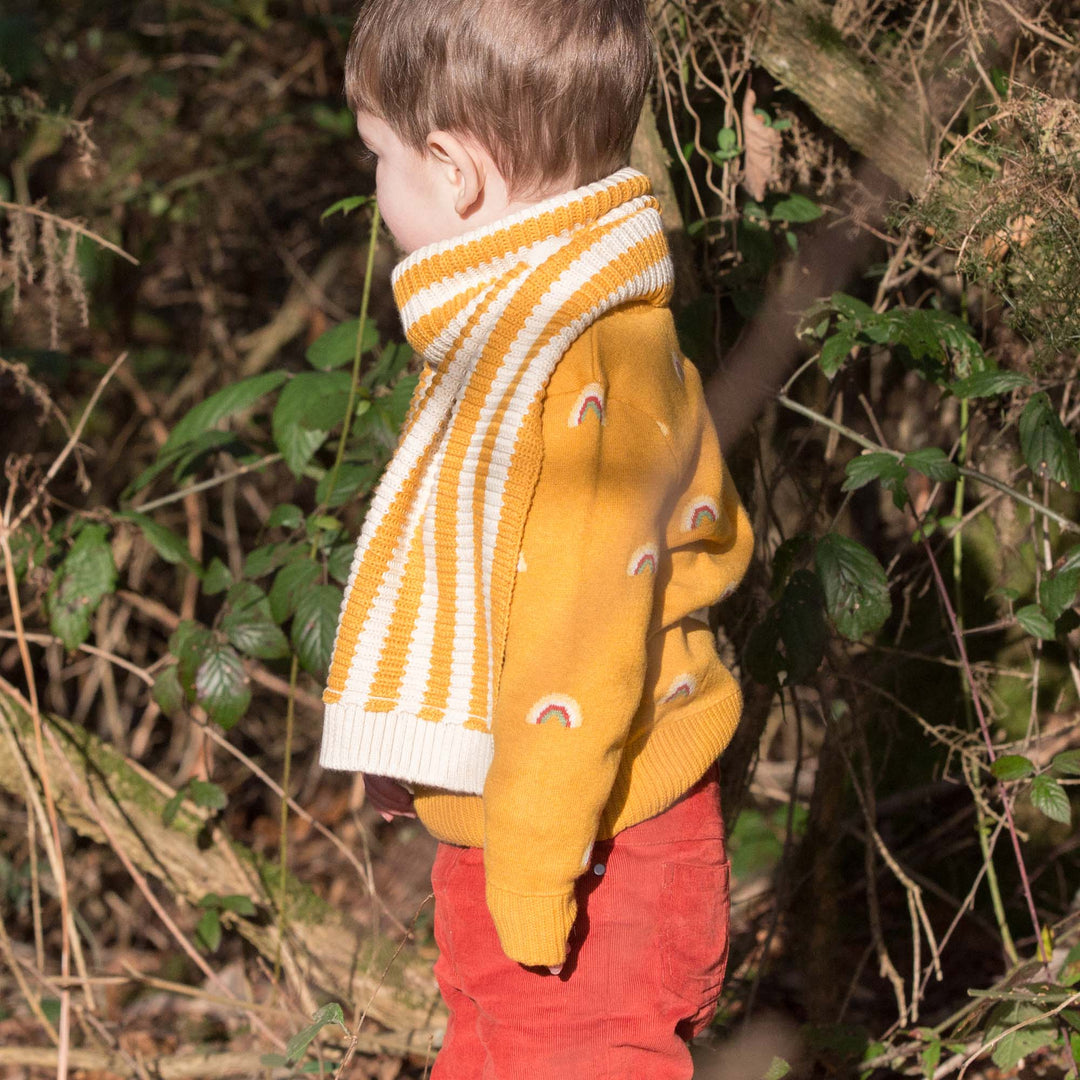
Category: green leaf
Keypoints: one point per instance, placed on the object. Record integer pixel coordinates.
(777, 1070)
(835, 349)
(930, 1058)
(932, 462)
(187, 643)
(207, 795)
(802, 626)
(863, 469)
(221, 684)
(352, 480)
(328, 1014)
(1049, 447)
(337, 346)
(82, 580)
(1019, 1043)
(762, 655)
(263, 560)
(1049, 796)
(167, 691)
(726, 139)
(290, 583)
(217, 577)
(345, 206)
(226, 402)
(339, 562)
(856, 589)
(1012, 767)
(285, 516)
(1057, 593)
(238, 904)
(172, 548)
(1035, 622)
(1071, 560)
(309, 407)
(250, 625)
(314, 625)
(1067, 762)
(172, 807)
(208, 930)
(988, 384)
(795, 208)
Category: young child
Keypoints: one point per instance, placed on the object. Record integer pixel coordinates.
(522, 657)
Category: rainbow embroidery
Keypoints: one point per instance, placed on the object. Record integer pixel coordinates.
(590, 400)
(702, 511)
(683, 687)
(556, 709)
(644, 559)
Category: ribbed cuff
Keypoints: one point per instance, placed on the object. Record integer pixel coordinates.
(533, 930)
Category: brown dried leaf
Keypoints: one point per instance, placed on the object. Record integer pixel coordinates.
(762, 155)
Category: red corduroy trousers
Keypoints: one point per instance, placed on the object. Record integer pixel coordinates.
(647, 959)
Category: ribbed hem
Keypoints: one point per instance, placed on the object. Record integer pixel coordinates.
(533, 930)
(397, 744)
(675, 756)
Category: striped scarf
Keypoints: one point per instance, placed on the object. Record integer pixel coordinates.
(421, 636)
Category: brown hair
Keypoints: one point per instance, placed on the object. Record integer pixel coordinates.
(551, 89)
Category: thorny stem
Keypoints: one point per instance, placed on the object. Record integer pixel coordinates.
(985, 728)
(974, 474)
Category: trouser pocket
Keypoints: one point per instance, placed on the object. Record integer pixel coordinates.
(695, 904)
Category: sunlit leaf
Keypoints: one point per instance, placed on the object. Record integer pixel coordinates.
(1050, 797)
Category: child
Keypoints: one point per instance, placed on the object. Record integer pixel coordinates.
(521, 656)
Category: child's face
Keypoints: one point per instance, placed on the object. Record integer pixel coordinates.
(414, 193)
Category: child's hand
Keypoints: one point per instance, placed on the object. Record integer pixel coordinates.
(389, 797)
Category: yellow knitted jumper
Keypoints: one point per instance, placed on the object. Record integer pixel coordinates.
(521, 637)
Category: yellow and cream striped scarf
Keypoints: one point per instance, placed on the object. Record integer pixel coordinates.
(420, 640)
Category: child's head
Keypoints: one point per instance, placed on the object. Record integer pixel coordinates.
(548, 90)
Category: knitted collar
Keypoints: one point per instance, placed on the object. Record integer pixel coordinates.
(421, 637)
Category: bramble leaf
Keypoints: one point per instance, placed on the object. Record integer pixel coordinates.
(988, 384)
(1012, 767)
(1034, 621)
(337, 346)
(1049, 447)
(314, 625)
(290, 583)
(855, 586)
(226, 402)
(932, 462)
(221, 683)
(1050, 797)
(82, 580)
(1067, 762)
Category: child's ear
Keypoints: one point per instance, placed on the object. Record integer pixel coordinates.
(463, 167)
